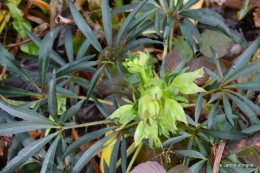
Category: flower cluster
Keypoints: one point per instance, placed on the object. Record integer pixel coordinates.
(160, 103)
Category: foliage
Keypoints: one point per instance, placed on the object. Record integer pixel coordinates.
(157, 112)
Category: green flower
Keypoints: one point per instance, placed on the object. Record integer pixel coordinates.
(125, 114)
(147, 107)
(184, 82)
(137, 64)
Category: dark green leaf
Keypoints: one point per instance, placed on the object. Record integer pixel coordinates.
(174, 140)
(188, 4)
(71, 111)
(113, 158)
(251, 129)
(123, 29)
(90, 153)
(119, 69)
(76, 65)
(245, 108)
(168, 28)
(192, 29)
(139, 30)
(225, 134)
(84, 139)
(123, 154)
(94, 81)
(14, 148)
(201, 147)
(27, 152)
(190, 153)
(49, 158)
(44, 53)
(186, 33)
(52, 99)
(157, 21)
(216, 62)
(23, 126)
(68, 44)
(197, 166)
(16, 92)
(211, 117)
(53, 55)
(107, 21)
(100, 107)
(124, 8)
(83, 48)
(7, 60)
(228, 109)
(212, 74)
(24, 113)
(214, 97)
(254, 86)
(164, 4)
(198, 107)
(242, 59)
(84, 27)
(137, 43)
(90, 168)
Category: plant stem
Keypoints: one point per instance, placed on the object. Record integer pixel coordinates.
(89, 124)
(134, 157)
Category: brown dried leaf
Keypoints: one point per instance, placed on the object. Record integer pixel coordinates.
(256, 18)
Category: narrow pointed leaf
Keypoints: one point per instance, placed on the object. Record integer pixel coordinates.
(198, 107)
(215, 59)
(100, 107)
(52, 98)
(26, 153)
(211, 117)
(193, 29)
(197, 166)
(107, 21)
(228, 109)
(76, 65)
(157, 22)
(49, 158)
(16, 92)
(139, 30)
(242, 59)
(168, 28)
(212, 74)
(12, 65)
(90, 153)
(232, 135)
(123, 154)
(24, 113)
(214, 97)
(124, 8)
(190, 153)
(93, 82)
(187, 35)
(189, 4)
(84, 27)
(71, 112)
(83, 48)
(175, 140)
(164, 4)
(23, 126)
(44, 53)
(201, 147)
(68, 44)
(254, 86)
(86, 138)
(53, 54)
(113, 158)
(123, 29)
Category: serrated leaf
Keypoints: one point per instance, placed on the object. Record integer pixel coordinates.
(52, 98)
(84, 27)
(68, 44)
(84, 139)
(23, 126)
(182, 47)
(123, 29)
(49, 158)
(107, 21)
(217, 41)
(24, 113)
(76, 65)
(44, 53)
(90, 153)
(190, 153)
(26, 153)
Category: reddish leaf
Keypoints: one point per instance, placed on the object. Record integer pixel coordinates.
(149, 167)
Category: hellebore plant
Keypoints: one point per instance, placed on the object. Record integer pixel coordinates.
(160, 105)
